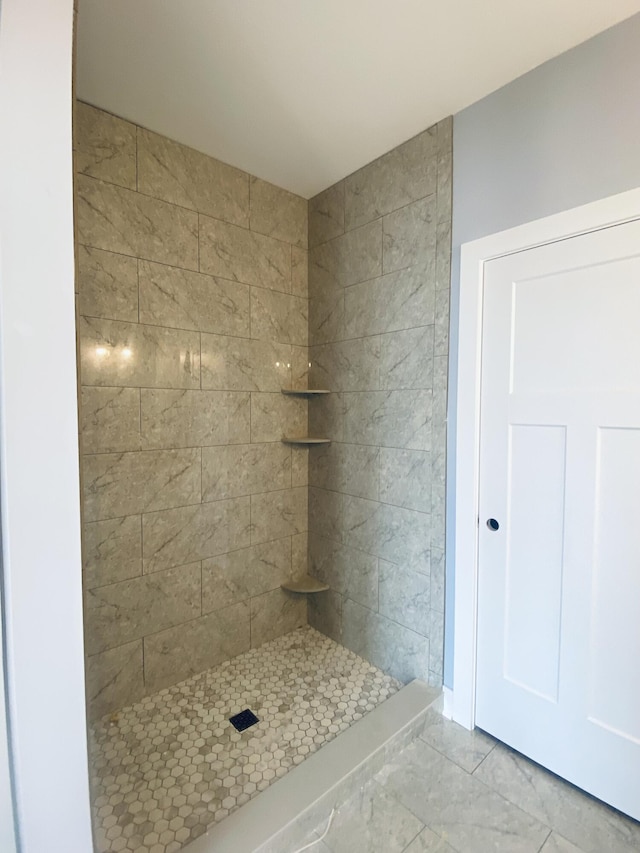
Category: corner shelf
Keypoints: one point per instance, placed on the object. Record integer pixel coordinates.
(304, 585)
(304, 392)
(305, 440)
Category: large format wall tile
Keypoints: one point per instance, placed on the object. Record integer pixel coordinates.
(405, 597)
(131, 609)
(193, 418)
(183, 176)
(353, 257)
(187, 300)
(389, 418)
(278, 213)
(348, 468)
(279, 317)
(117, 484)
(120, 220)
(393, 533)
(276, 613)
(107, 284)
(409, 234)
(186, 534)
(244, 469)
(240, 255)
(113, 353)
(326, 513)
(351, 573)
(278, 514)
(111, 550)
(299, 272)
(326, 215)
(115, 678)
(276, 415)
(346, 365)
(105, 146)
(237, 364)
(406, 358)
(109, 419)
(405, 478)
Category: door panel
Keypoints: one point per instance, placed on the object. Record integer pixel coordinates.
(559, 581)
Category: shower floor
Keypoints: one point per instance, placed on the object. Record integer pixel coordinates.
(171, 765)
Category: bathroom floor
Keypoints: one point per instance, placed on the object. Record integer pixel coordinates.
(172, 764)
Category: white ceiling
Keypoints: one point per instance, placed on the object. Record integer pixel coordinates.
(303, 92)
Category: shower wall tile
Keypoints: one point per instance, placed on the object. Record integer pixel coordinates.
(240, 255)
(441, 328)
(244, 469)
(278, 213)
(116, 484)
(405, 174)
(327, 416)
(347, 468)
(279, 317)
(445, 164)
(326, 215)
(405, 597)
(326, 314)
(326, 513)
(186, 534)
(437, 579)
(131, 609)
(352, 257)
(300, 367)
(352, 573)
(243, 574)
(276, 613)
(278, 514)
(104, 146)
(300, 466)
(185, 650)
(186, 177)
(111, 550)
(443, 255)
(237, 364)
(193, 418)
(132, 355)
(299, 554)
(188, 300)
(347, 365)
(115, 678)
(276, 415)
(107, 284)
(389, 419)
(299, 272)
(406, 359)
(409, 234)
(120, 220)
(405, 478)
(324, 612)
(110, 419)
(393, 533)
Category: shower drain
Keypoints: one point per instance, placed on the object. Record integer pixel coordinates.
(244, 720)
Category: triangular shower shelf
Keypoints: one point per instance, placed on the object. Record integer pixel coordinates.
(304, 392)
(305, 441)
(305, 585)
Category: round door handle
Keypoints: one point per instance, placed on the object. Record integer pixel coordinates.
(493, 524)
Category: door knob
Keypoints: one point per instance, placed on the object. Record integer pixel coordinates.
(493, 524)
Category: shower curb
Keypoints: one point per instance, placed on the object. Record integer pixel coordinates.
(282, 817)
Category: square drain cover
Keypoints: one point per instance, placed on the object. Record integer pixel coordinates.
(244, 720)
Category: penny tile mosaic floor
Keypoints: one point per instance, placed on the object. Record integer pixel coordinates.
(166, 768)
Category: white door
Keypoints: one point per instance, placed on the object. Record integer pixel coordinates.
(558, 665)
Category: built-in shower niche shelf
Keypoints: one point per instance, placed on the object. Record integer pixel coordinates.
(304, 392)
(305, 585)
(305, 441)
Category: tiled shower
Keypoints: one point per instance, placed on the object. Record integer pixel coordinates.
(202, 293)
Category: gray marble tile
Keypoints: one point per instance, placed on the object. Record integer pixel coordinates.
(183, 176)
(278, 213)
(395, 649)
(457, 806)
(244, 469)
(194, 418)
(119, 220)
(186, 534)
(429, 842)
(437, 579)
(440, 381)
(352, 257)
(348, 468)
(239, 364)
(104, 146)
(400, 300)
(466, 749)
(584, 821)
(441, 328)
(109, 419)
(276, 613)
(116, 484)
(404, 597)
(299, 272)
(445, 164)
(410, 235)
(189, 300)
(374, 821)
(131, 609)
(107, 284)
(130, 355)
(438, 526)
(279, 317)
(347, 365)
(326, 314)
(299, 466)
(398, 535)
(405, 478)
(326, 513)
(276, 415)
(353, 574)
(557, 844)
(299, 554)
(389, 419)
(185, 650)
(326, 214)
(111, 550)
(239, 575)
(405, 174)
(443, 255)
(278, 514)
(114, 679)
(324, 612)
(327, 416)
(406, 358)
(300, 367)
(240, 255)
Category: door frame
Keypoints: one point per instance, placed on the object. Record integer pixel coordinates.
(615, 210)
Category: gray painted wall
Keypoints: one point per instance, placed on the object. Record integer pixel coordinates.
(563, 135)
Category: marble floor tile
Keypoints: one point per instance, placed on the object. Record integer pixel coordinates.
(557, 844)
(464, 748)
(429, 842)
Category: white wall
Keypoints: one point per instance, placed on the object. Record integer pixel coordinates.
(38, 430)
(564, 134)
